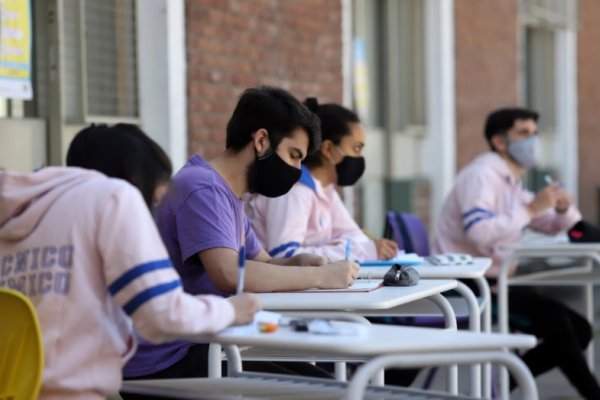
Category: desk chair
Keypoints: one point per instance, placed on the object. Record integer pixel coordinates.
(21, 348)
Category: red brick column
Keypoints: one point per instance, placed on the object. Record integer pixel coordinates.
(486, 68)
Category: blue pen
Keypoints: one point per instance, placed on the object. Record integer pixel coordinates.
(348, 249)
(241, 265)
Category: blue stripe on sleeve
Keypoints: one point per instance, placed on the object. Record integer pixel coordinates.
(148, 294)
(135, 272)
(476, 210)
(290, 253)
(474, 221)
(282, 247)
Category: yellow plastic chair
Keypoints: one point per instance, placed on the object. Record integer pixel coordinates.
(21, 348)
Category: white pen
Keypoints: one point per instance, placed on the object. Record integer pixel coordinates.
(548, 179)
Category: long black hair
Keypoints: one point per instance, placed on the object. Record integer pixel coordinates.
(335, 124)
(122, 151)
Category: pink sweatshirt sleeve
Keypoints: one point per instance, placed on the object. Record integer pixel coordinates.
(287, 227)
(551, 222)
(483, 225)
(141, 278)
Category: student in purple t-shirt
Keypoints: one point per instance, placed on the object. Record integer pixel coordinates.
(202, 222)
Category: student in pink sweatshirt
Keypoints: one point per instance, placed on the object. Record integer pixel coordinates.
(311, 217)
(488, 207)
(84, 248)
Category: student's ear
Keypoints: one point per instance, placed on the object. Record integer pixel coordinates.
(500, 142)
(327, 149)
(260, 140)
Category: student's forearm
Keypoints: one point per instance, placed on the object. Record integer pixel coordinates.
(280, 261)
(266, 277)
(177, 313)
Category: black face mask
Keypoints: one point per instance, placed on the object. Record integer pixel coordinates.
(349, 170)
(270, 176)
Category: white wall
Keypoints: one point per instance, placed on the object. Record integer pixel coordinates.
(22, 144)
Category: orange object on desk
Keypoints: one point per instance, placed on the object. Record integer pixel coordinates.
(267, 327)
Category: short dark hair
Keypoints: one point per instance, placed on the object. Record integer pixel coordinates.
(335, 124)
(275, 110)
(122, 151)
(500, 121)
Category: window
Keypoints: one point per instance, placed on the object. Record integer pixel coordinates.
(389, 35)
(99, 60)
(550, 13)
(541, 20)
(539, 82)
(545, 59)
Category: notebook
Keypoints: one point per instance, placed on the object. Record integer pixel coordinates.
(401, 258)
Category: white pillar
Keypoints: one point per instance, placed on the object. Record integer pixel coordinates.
(439, 146)
(162, 74)
(347, 80)
(566, 144)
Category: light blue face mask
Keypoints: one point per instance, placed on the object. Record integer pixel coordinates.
(524, 151)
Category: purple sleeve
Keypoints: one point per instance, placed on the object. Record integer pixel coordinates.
(253, 247)
(206, 220)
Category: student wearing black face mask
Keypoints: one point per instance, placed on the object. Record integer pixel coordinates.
(316, 220)
(311, 217)
(202, 222)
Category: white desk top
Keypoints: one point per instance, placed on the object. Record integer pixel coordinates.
(553, 248)
(427, 271)
(376, 340)
(381, 299)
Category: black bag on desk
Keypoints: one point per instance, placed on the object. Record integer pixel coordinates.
(584, 232)
(401, 275)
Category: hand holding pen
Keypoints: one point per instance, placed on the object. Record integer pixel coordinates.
(563, 198)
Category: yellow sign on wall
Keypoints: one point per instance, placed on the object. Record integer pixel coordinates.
(15, 49)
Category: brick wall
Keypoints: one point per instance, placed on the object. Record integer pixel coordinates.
(486, 68)
(589, 105)
(236, 44)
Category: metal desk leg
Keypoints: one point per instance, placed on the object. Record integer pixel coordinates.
(486, 307)
(588, 293)
(214, 360)
(234, 360)
(450, 318)
(474, 326)
(520, 371)
(503, 319)
(340, 372)
(378, 378)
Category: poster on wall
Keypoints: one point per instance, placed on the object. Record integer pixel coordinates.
(361, 79)
(15, 49)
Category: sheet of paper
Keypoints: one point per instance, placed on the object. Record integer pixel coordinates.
(357, 286)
